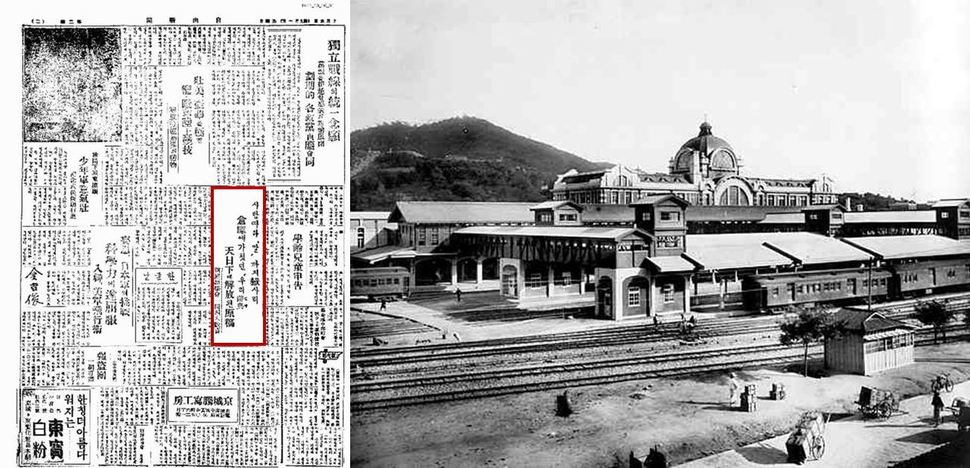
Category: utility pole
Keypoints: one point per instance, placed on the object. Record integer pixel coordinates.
(869, 288)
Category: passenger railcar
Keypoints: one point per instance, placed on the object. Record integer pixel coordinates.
(380, 283)
(773, 291)
(915, 278)
(778, 290)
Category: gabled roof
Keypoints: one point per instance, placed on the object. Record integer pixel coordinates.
(781, 182)
(831, 206)
(654, 199)
(866, 321)
(574, 232)
(896, 247)
(725, 213)
(583, 176)
(908, 216)
(461, 212)
(951, 202)
(783, 218)
(663, 178)
(607, 213)
(551, 205)
(370, 215)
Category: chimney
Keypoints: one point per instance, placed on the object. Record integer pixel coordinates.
(848, 203)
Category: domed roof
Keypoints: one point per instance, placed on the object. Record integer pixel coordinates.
(706, 142)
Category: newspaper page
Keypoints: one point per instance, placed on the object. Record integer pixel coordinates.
(182, 220)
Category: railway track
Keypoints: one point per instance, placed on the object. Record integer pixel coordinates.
(639, 335)
(388, 393)
(508, 382)
(427, 374)
(898, 309)
(635, 335)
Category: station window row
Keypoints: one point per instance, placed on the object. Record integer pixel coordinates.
(891, 342)
(376, 281)
(910, 277)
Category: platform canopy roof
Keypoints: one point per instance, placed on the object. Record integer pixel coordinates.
(768, 249)
(896, 247)
(671, 264)
(460, 212)
(382, 253)
(572, 232)
(909, 216)
(807, 248)
(732, 251)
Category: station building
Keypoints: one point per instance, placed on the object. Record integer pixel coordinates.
(643, 259)
(705, 171)
(699, 238)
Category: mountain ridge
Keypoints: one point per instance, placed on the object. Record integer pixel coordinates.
(460, 158)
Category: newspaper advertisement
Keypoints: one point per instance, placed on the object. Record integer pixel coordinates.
(182, 222)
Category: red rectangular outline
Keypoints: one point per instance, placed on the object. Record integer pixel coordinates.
(212, 263)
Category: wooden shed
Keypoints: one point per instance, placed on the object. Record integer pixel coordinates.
(873, 343)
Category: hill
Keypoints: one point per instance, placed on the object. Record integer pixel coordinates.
(463, 158)
(872, 201)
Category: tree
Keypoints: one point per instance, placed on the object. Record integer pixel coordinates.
(808, 327)
(934, 314)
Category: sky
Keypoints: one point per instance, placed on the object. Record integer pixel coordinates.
(876, 95)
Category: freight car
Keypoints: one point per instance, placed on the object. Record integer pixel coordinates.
(380, 283)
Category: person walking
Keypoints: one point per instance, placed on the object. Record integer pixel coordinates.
(734, 387)
(383, 304)
(937, 408)
(458, 294)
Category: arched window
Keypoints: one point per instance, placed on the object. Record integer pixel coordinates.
(360, 237)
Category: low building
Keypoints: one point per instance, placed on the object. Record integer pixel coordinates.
(371, 230)
(872, 343)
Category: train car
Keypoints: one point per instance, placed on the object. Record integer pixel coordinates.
(929, 276)
(775, 291)
(380, 283)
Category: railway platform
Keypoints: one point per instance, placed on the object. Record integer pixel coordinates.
(473, 321)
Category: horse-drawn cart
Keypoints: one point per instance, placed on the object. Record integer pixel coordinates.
(807, 439)
(876, 403)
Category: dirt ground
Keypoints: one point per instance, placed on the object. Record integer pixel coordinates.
(687, 415)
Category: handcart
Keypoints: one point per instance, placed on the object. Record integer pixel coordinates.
(876, 403)
(807, 440)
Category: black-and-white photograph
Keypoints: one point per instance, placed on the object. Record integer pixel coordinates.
(646, 234)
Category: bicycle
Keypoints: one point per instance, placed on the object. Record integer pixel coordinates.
(942, 382)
